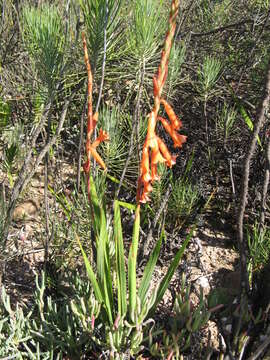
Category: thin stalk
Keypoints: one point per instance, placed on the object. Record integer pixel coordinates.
(132, 262)
(265, 185)
(184, 18)
(27, 175)
(46, 200)
(255, 44)
(262, 110)
(90, 124)
(79, 163)
(23, 173)
(102, 70)
(135, 129)
(220, 29)
(231, 177)
(104, 57)
(145, 247)
(205, 119)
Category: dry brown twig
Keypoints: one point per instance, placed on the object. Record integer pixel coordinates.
(260, 118)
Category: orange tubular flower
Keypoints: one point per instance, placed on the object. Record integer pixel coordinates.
(178, 139)
(103, 136)
(151, 135)
(154, 148)
(154, 172)
(145, 169)
(97, 157)
(155, 86)
(170, 159)
(156, 156)
(176, 123)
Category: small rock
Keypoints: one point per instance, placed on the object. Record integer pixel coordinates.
(26, 209)
(203, 282)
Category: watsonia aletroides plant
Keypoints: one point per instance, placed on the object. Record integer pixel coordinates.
(123, 321)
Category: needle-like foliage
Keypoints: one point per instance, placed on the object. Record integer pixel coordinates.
(100, 16)
(43, 32)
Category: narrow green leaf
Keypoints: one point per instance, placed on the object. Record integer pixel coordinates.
(189, 164)
(120, 261)
(113, 179)
(167, 278)
(148, 271)
(103, 267)
(132, 260)
(245, 116)
(242, 111)
(62, 201)
(247, 119)
(90, 273)
(127, 205)
(95, 206)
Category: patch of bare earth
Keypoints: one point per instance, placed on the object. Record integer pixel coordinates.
(26, 235)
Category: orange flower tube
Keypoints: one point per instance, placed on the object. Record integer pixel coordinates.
(176, 123)
(178, 139)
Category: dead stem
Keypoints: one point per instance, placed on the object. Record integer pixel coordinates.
(245, 182)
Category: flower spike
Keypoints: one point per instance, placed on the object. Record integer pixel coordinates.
(155, 150)
(91, 119)
(91, 123)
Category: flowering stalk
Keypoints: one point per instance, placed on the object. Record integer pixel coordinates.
(91, 123)
(155, 150)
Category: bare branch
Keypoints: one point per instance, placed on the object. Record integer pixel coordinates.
(245, 181)
(265, 184)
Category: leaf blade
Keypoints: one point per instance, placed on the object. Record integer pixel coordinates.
(167, 278)
(90, 273)
(148, 271)
(132, 260)
(120, 263)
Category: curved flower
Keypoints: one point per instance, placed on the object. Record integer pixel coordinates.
(97, 157)
(178, 139)
(175, 122)
(156, 156)
(154, 172)
(103, 136)
(143, 189)
(151, 135)
(170, 159)
(145, 168)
